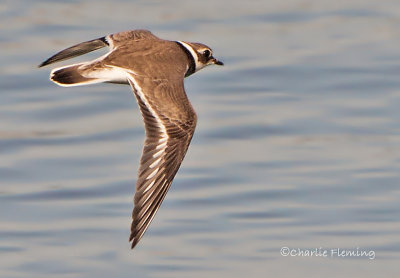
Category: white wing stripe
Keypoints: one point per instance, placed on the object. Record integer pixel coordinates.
(155, 163)
(160, 124)
(161, 146)
(110, 41)
(143, 98)
(149, 186)
(152, 174)
(159, 153)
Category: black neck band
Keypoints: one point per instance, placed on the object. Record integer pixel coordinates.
(192, 62)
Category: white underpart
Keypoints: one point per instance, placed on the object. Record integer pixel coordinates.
(199, 65)
(108, 74)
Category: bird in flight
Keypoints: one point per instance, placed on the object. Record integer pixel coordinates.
(155, 70)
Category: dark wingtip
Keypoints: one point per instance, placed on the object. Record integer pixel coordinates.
(134, 242)
(76, 50)
(45, 63)
(133, 239)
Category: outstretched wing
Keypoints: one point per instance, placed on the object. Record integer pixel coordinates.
(169, 122)
(113, 41)
(76, 50)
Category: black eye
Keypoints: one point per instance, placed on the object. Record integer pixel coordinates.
(207, 53)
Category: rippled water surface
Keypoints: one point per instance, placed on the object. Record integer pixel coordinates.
(297, 144)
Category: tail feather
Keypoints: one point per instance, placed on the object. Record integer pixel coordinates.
(70, 76)
(76, 50)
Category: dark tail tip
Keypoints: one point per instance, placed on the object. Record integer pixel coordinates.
(69, 76)
(63, 76)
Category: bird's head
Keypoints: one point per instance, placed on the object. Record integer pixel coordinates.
(202, 55)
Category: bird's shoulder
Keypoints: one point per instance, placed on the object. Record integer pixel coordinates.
(159, 60)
